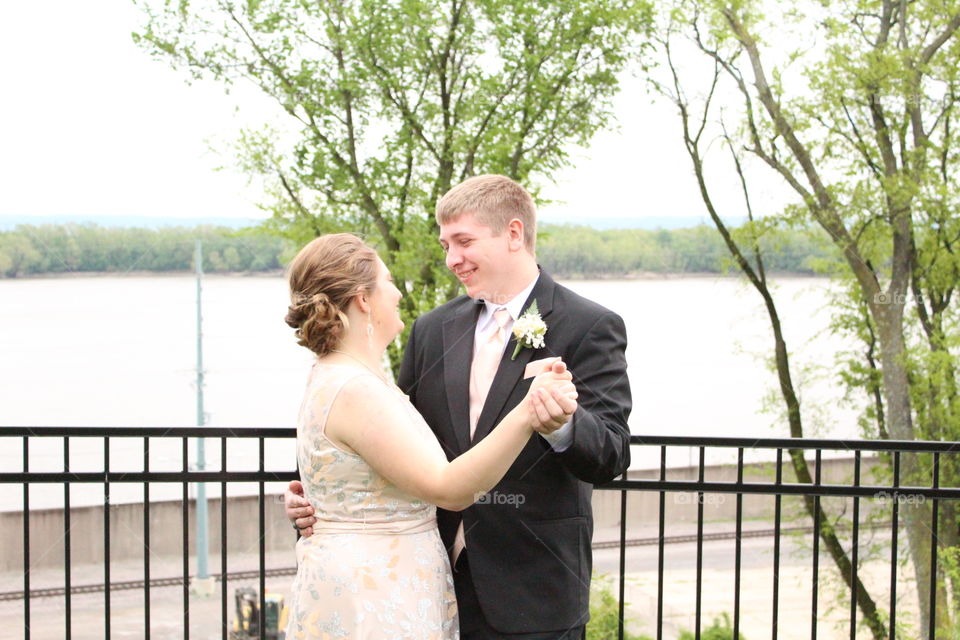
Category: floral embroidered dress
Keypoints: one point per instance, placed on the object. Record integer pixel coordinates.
(375, 567)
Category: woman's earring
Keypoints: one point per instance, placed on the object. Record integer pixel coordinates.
(370, 334)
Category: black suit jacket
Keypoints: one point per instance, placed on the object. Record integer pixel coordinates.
(529, 539)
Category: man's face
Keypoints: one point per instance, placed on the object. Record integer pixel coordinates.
(480, 260)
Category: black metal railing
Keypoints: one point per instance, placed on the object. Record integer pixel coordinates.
(914, 472)
(185, 476)
(923, 457)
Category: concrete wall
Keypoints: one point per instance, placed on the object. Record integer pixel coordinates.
(643, 507)
(126, 532)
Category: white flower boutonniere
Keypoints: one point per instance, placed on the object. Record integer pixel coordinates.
(529, 330)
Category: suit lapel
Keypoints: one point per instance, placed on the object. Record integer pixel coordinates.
(458, 334)
(510, 372)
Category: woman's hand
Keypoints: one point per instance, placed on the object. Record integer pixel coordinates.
(299, 511)
(552, 398)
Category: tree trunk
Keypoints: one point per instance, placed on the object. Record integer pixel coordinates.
(896, 391)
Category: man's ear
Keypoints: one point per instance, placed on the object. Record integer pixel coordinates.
(515, 234)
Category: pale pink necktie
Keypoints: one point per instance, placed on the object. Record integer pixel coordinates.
(484, 367)
(482, 371)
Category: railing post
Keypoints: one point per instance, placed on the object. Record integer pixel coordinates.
(776, 549)
(106, 536)
(146, 541)
(816, 551)
(893, 545)
(660, 550)
(66, 540)
(855, 549)
(185, 521)
(738, 550)
(263, 551)
(623, 558)
(26, 541)
(933, 548)
(700, 479)
(223, 540)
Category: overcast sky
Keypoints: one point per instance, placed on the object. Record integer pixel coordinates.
(91, 125)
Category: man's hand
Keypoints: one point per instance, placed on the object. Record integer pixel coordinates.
(553, 398)
(298, 509)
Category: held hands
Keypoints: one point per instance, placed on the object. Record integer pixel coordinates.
(552, 398)
(299, 511)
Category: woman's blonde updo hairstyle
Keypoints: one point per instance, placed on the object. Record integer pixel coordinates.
(324, 277)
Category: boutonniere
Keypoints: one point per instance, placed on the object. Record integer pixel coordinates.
(529, 330)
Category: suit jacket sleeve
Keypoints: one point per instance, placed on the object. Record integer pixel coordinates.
(600, 450)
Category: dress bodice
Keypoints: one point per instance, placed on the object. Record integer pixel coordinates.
(340, 485)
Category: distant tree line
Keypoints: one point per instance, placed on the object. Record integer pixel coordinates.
(582, 252)
(72, 248)
(566, 251)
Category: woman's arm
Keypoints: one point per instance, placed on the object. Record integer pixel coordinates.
(371, 419)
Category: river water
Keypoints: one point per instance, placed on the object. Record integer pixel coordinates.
(121, 351)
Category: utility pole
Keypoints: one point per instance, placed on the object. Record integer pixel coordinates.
(201, 454)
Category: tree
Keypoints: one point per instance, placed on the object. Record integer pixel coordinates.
(746, 248)
(858, 126)
(392, 103)
(17, 254)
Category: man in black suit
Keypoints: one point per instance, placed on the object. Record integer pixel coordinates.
(522, 554)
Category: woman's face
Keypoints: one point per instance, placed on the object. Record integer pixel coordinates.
(385, 305)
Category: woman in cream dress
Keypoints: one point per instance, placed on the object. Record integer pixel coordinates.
(371, 468)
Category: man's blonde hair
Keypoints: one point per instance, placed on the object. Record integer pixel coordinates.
(494, 201)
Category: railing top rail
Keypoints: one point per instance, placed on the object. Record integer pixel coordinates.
(798, 443)
(640, 440)
(152, 432)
